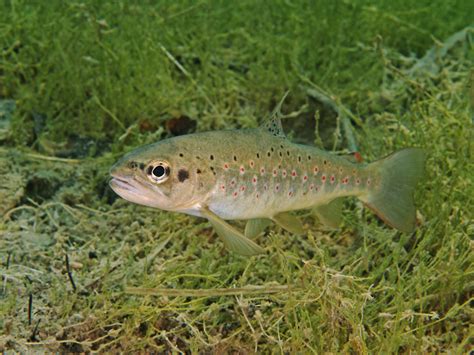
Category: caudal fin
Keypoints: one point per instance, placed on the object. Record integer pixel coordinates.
(392, 200)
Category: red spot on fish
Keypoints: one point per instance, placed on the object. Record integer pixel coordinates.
(305, 178)
(277, 187)
(333, 178)
(284, 173)
(293, 174)
(315, 170)
(275, 173)
(358, 157)
(235, 194)
(323, 179)
(232, 182)
(223, 187)
(226, 166)
(242, 188)
(357, 181)
(290, 193)
(242, 170)
(262, 171)
(251, 163)
(254, 180)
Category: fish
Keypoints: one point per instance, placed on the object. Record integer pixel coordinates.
(260, 176)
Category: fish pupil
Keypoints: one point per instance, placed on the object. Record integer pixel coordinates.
(159, 171)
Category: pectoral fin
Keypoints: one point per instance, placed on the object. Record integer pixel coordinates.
(232, 238)
(256, 226)
(289, 222)
(331, 213)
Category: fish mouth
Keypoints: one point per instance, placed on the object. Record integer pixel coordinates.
(116, 182)
(134, 191)
(121, 183)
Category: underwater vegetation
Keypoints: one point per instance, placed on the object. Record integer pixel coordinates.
(82, 83)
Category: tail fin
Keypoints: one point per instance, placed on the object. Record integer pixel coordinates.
(393, 200)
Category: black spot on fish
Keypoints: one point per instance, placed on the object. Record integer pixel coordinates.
(198, 171)
(211, 157)
(132, 165)
(235, 158)
(258, 156)
(181, 155)
(142, 166)
(183, 174)
(149, 169)
(299, 158)
(269, 154)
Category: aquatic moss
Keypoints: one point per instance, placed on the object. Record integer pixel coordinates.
(109, 72)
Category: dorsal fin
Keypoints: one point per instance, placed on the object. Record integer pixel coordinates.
(273, 123)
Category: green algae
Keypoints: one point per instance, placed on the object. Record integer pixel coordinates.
(117, 73)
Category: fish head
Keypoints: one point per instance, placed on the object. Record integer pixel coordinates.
(165, 175)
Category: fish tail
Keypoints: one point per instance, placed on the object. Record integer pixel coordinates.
(392, 199)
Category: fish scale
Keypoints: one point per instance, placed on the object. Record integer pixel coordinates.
(259, 175)
(237, 196)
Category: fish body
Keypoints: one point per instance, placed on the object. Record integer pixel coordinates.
(258, 174)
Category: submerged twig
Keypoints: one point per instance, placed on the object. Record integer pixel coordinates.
(35, 331)
(4, 277)
(247, 290)
(30, 308)
(69, 274)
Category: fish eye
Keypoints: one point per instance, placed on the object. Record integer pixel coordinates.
(158, 171)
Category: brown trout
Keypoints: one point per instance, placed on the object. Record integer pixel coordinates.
(259, 175)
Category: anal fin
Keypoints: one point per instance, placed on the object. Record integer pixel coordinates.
(232, 238)
(330, 214)
(289, 222)
(256, 226)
